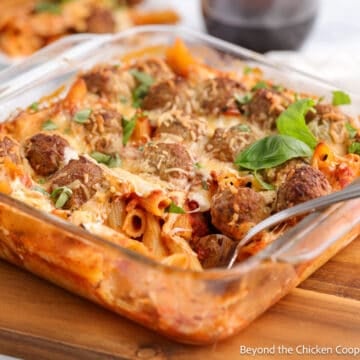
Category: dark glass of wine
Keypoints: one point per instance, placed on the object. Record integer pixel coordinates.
(261, 25)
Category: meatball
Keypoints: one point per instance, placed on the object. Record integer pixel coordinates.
(217, 95)
(326, 112)
(213, 250)
(166, 94)
(302, 184)
(234, 212)
(45, 153)
(105, 131)
(184, 126)
(109, 81)
(156, 68)
(9, 149)
(82, 176)
(100, 21)
(226, 144)
(168, 161)
(265, 106)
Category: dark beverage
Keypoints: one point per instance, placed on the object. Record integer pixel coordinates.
(261, 25)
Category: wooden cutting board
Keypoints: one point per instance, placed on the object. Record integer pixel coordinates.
(41, 321)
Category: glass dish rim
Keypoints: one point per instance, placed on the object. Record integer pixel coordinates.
(97, 40)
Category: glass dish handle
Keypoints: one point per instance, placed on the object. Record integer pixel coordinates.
(315, 234)
(42, 64)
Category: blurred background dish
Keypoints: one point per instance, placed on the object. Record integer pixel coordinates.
(261, 25)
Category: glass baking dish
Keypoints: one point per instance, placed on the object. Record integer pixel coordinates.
(191, 307)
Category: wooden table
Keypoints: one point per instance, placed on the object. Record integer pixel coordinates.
(40, 321)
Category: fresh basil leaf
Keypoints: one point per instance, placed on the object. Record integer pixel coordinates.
(272, 151)
(198, 165)
(61, 195)
(42, 181)
(100, 157)
(128, 128)
(82, 116)
(114, 162)
(260, 85)
(340, 98)
(247, 70)
(204, 185)
(175, 209)
(354, 148)
(34, 106)
(263, 183)
(40, 190)
(139, 94)
(351, 130)
(242, 100)
(278, 88)
(49, 125)
(291, 122)
(48, 7)
(142, 77)
(243, 128)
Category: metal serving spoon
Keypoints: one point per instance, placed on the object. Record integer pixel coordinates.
(350, 192)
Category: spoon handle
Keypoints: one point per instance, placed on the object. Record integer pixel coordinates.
(350, 192)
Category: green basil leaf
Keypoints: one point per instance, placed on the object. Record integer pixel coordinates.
(128, 128)
(278, 88)
(272, 151)
(260, 85)
(351, 130)
(61, 194)
(100, 157)
(242, 100)
(175, 209)
(243, 128)
(198, 165)
(354, 148)
(204, 185)
(340, 98)
(49, 125)
(82, 116)
(291, 122)
(115, 161)
(263, 183)
(247, 70)
(42, 181)
(34, 106)
(48, 7)
(142, 77)
(138, 95)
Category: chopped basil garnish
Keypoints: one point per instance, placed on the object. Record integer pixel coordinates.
(242, 100)
(272, 151)
(48, 7)
(128, 128)
(49, 125)
(110, 160)
(42, 181)
(278, 88)
(40, 190)
(354, 148)
(34, 106)
(351, 130)
(243, 128)
(204, 185)
(247, 70)
(61, 195)
(260, 85)
(340, 98)
(175, 209)
(82, 116)
(145, 81)
(291, 122)
(198, 165)
(262, 183)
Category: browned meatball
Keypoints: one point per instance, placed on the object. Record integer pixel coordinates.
(302, 184)
(166, 94)
(217, 95)
(82, 176)
(326, 112)
(226, 144)
(265, 106)
(9, 149)
(105, 131)
(213, 250)
(233, 213)
(155, 67)
(101, 21)
(109, 81)
(169, 161)
(45, 153)
(184, 126)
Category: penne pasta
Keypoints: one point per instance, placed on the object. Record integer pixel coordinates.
(134, 223)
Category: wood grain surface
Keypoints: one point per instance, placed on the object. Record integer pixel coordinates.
(41, 321)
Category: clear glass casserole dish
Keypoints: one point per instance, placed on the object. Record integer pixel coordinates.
(192, 307)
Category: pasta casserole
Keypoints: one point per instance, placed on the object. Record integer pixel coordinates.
(171, 158)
